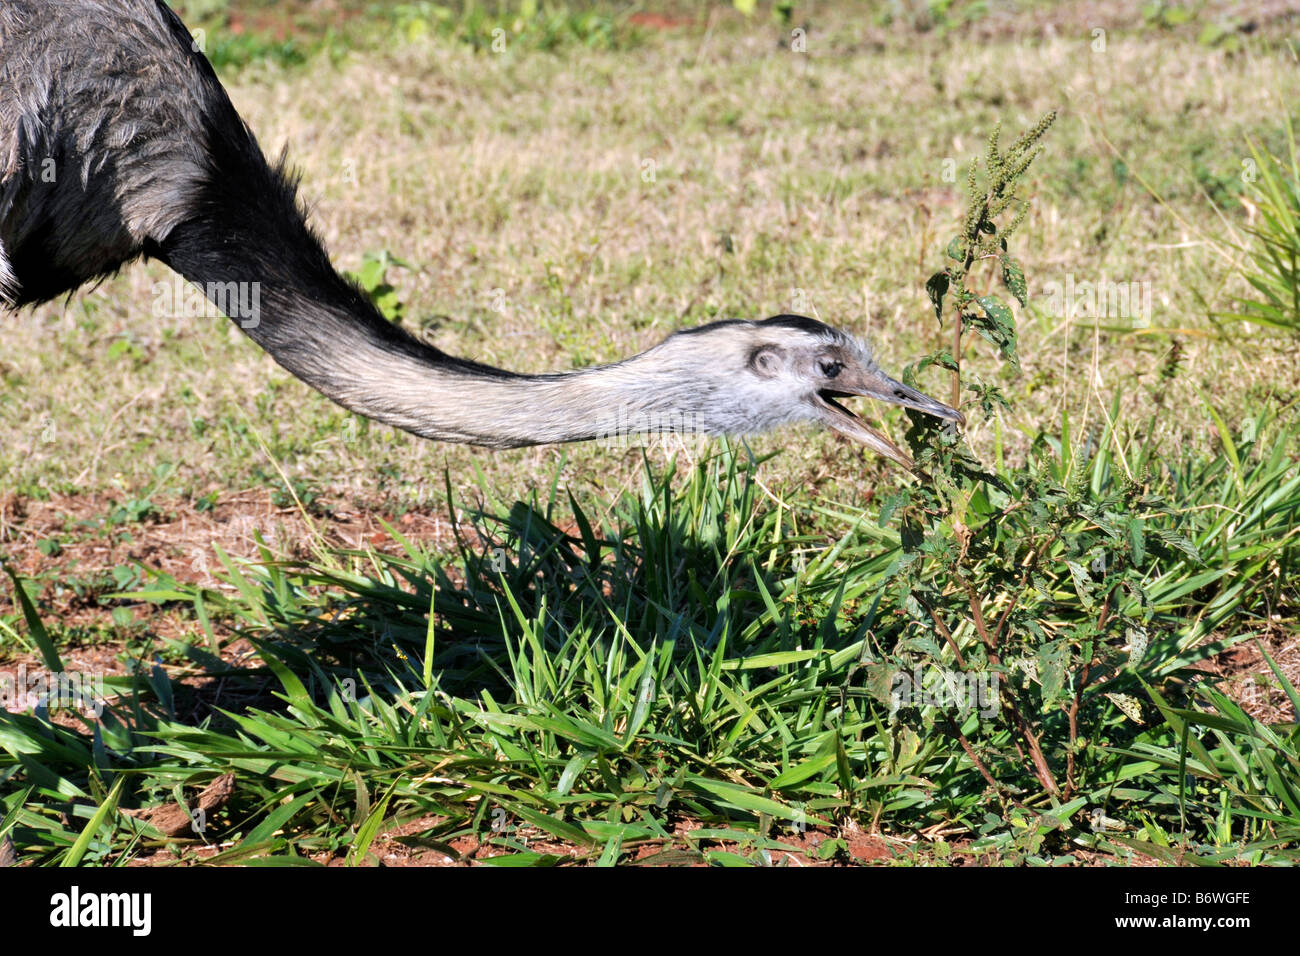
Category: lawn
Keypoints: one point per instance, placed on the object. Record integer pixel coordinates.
(419, 653)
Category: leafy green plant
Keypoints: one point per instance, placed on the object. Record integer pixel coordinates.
(980, 241)
(1274, 190)
(233, 51)
(498, 27)
(372, 277)
(133, 511)
(1031, 586)
(1164, 15)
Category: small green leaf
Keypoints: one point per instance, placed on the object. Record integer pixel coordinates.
(1171, 537)
(1129, 705)
(801, 772)
(829, 848)
(998, 326)
(368, 830)
(936, 288)
(1082, 583)
(997, 311)
(895, 501)
(1137, 541)
(1013, 277)
(942, 358)
(1051, 669)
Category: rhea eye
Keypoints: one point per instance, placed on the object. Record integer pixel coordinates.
(831, 369)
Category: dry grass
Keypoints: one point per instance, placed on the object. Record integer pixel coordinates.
(821, 172)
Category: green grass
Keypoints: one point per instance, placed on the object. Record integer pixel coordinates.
(703, 653)
(236, 36)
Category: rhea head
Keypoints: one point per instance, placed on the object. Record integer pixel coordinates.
(744, 377)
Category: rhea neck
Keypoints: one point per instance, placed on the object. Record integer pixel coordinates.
(323, 330)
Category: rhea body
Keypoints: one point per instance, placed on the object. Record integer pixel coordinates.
(117, 141)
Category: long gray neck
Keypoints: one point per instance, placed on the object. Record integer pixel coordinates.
(244, 226)
(429, 393)
(323, 330)
(504, 411)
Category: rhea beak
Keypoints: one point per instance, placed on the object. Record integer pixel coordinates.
(874, 383)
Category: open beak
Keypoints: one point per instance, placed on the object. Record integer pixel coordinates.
(876, 384)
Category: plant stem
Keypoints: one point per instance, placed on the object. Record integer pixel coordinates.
(979, 764)
(1041, 768)
(1074, 702)
(956, 360)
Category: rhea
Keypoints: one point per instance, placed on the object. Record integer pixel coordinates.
(117, 141)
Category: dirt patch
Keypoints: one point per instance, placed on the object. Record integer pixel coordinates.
(179, 539)
(406, 845)
(1247, 678)
(285, 21)
(660, 21)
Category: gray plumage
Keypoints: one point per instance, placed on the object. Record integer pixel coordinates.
(117, 141)
(102, 131)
